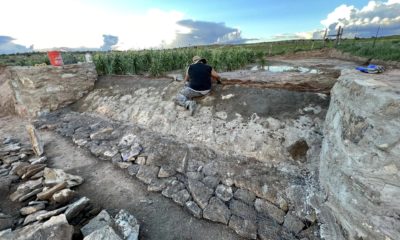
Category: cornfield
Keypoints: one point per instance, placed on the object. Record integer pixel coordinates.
(157, 62)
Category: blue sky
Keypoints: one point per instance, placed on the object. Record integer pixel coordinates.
(134, 24)
(256, 18)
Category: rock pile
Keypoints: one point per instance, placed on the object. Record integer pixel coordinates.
(254, 200)
(51, 208)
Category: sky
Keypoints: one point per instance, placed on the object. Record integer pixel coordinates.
(32, 25)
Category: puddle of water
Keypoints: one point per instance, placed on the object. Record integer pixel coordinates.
(283, 68)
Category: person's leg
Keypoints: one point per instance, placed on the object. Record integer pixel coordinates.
(185, 96)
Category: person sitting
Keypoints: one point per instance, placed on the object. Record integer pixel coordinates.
(197, 83)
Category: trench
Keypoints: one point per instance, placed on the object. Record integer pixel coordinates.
(257, 133)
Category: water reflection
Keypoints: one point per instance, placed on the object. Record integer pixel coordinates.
(285, 68)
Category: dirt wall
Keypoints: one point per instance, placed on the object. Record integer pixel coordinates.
(39, 90)
(6, 95)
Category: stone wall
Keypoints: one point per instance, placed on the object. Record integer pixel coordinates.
(39, 90)
(360, 155)
(253, 199)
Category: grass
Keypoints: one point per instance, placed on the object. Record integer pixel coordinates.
(387, 49)
(221, 57)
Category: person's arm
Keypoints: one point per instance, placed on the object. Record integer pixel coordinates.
(187, 75)
(215, 76)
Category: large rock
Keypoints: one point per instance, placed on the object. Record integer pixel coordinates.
(127, 225)
(56, 228)
(200, 192)
(39, 90)
(245, 196)
(103, 233)
(101, 220)
(360, 161)
(75, 208)
(217, 211)
(103, 226)
(147, 173)
(242, 210)
(268, 209)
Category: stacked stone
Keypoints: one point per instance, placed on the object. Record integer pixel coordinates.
(50, 206)
(250, 209)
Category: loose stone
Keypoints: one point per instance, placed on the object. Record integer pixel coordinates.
(63, 196)
(75, 208)
(46, 195)
(31, 209)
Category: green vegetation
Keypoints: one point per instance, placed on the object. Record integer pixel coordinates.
(157, 62)
(221, 57)
(387, 48)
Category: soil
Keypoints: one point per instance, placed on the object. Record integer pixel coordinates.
(110, 188)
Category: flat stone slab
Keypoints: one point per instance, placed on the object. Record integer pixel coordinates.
(217, 211)
(269, 209)
(201, 193)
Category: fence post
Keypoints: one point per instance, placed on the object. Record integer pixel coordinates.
(324, 39)
(312, 45)
(376, 36)
(338, 36)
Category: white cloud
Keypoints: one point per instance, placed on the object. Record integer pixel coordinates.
(73, 23)
(392, 2)
(364, 22)
(341, 12)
